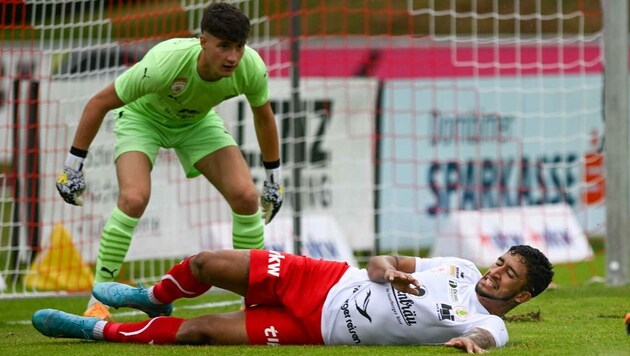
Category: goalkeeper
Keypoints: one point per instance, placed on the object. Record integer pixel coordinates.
(166, 100)
(300, 300)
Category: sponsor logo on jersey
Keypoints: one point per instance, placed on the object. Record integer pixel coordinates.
(455, 272)
(405, 307)
(452, 291)
(271, 333)
(363, 308)
(422, 291)
(352, 329)
(451, 270)
(273, 263)
(178, 85)
(185, 114)
(444, 312)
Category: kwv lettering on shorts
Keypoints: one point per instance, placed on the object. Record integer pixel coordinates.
(272, 336)
(273, 263)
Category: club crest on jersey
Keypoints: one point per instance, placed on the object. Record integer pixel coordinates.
(178, 85)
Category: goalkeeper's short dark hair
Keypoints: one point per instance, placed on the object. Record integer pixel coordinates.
(225, 21)
(539, 269)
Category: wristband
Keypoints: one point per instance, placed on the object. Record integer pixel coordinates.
(271, 165)
(272, 170)
(78, 152)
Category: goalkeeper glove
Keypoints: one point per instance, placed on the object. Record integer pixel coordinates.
(273, 191)
(70, 182)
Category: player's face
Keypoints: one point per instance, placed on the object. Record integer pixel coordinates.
(219, 58)
(504, 280)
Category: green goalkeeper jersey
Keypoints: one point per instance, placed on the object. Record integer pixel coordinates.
(165, 85)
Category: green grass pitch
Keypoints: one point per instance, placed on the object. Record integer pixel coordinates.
(576, 318)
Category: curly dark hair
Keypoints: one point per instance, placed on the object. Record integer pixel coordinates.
(539, 269)
(226, 22)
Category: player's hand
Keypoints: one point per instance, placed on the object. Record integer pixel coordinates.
(403, 281)
(272, 193)
(465, 344)
(71, 182)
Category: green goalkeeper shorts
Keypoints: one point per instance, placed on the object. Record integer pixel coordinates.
(135, 132)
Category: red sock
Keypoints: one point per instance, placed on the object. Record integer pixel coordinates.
(179, 282)
(160, 330)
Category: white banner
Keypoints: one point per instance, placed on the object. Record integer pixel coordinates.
(322, 238)
(487, 143)
(337, 172)
(482, 236)
(183, 214)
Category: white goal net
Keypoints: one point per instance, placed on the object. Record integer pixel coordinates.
(422, 126)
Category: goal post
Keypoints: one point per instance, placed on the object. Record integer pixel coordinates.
(617, 141)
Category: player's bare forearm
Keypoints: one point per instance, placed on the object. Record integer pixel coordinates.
(267, 132)
(481, 337)
(476, 341)
(379, 266)
(394, 270)
(93, 115)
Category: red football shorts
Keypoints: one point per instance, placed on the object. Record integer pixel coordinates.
(285, 297)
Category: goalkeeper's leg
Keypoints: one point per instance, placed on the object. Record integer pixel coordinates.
(133, 170)
(226, 169)
(248, 231)
(113, 248)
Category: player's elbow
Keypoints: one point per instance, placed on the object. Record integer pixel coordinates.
(105, 100)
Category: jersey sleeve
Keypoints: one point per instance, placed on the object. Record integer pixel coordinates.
(419, 264)
(423, 264)
(454, 266)
(496, 327)
(257, 92)
(141, 79)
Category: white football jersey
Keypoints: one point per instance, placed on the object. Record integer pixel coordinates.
(360, 312)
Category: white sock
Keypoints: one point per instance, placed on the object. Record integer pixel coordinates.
(152, 297)
(97, 333)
